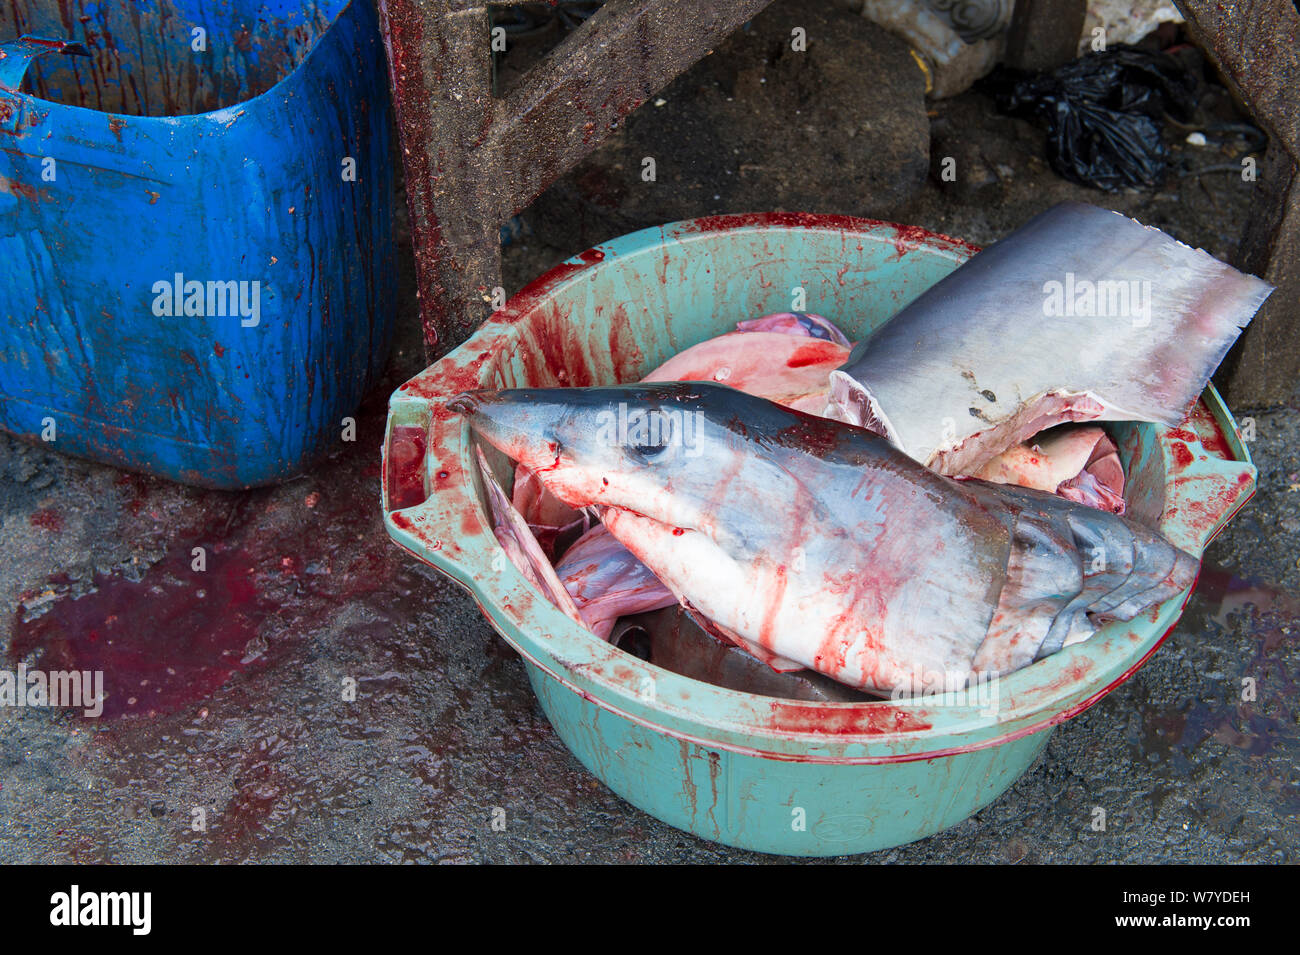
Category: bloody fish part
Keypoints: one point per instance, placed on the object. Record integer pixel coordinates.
(555, 525)
(823, 543)
(791, 370)
(672, 639)
(606, 582)
(1080, 463)
(796, 323)
(1081, 314)
(516, 539)
(768, 658)
(785, 356)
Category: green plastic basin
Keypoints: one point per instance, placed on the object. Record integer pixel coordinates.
(797, 778)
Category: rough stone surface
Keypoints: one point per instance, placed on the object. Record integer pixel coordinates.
(1257, 48)
(840, 127)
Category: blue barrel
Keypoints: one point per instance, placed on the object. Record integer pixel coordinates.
(196, 260)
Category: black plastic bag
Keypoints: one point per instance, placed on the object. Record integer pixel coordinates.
(1104, 113)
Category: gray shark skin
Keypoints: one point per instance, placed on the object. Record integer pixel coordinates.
(1081, 314)
(823, 543)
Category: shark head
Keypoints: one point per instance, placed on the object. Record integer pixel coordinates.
(685, 455)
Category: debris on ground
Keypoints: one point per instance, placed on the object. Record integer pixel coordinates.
(1104, 113)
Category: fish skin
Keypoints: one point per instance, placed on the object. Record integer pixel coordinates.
(521, 547)
(676, 641)
(974, 365)
(823, 543)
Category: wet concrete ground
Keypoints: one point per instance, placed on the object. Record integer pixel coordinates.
(226, 687)
(238, 709)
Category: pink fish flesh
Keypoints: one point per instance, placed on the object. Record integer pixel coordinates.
(792, 371)
(1080, 463)
(555, 525)
(606, 582)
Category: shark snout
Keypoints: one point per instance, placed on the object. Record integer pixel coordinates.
(517, 423)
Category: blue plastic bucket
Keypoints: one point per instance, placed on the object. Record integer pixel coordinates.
(196, 260)
(784, 776)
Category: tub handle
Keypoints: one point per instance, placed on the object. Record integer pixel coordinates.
(17, 55)
(406, 479)
(427, 450)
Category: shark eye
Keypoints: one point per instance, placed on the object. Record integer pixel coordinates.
(650, 434)
(648, 450)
